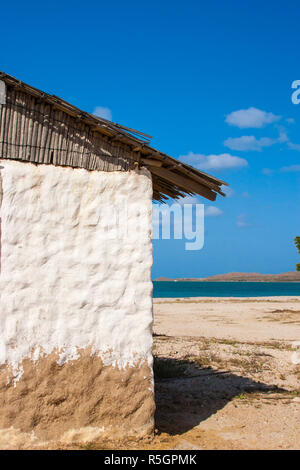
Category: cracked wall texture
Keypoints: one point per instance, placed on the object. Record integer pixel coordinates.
(76, 302)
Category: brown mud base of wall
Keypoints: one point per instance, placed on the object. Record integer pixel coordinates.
(78, 401)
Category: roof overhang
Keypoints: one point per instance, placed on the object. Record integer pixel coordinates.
(171, 178)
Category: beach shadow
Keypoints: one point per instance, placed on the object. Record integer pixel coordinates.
(184, 401)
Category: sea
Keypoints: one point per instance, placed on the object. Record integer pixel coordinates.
(224, 289)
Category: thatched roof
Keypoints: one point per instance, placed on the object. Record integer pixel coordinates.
(171, 178)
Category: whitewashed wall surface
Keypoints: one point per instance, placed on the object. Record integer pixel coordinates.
(76, 304)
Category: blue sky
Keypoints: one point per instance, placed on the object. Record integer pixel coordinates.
(181, 71)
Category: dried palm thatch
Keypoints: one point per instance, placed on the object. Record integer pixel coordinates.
(42, 128)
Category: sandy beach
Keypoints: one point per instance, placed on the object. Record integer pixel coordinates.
(232, 383)
(244, 319)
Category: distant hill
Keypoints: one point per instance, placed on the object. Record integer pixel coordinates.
(291, 276)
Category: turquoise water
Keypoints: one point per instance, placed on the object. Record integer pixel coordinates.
(224, 289)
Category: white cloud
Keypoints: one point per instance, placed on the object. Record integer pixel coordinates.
(228, 191)
(212, 211)
(290, 120)
(241, 221)
(251, 117)
(102, 112)
(213, 162)
(283, 137)
(249, 142)
(267, 171)
(294, 146)
(290, 169)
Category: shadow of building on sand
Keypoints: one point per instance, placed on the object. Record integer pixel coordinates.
(185, 395)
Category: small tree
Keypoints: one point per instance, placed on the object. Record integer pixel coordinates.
(297, 243)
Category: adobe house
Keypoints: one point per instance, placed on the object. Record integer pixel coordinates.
(76, 298)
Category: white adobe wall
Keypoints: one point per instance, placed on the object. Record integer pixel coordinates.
(67, 281)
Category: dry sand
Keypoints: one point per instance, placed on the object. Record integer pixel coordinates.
(237, 386)
(244, 319)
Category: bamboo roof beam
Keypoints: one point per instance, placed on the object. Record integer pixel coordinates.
(185, 183)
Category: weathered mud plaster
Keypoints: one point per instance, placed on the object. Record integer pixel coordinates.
(76, 302)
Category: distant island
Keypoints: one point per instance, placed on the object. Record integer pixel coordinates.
(291, 276)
